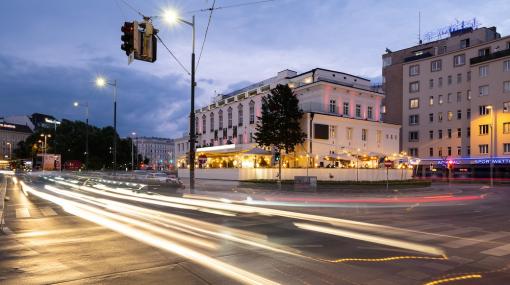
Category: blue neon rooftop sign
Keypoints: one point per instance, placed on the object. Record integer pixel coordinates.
(446, 31)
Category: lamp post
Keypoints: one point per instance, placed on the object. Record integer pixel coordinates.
(101, 82)
(133, 134)
(491, 146)
(86, 106)
(10, 150)
(172, 17)
(45, 147)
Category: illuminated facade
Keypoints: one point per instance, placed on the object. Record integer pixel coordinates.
(342, 121)
(456, 100)
(159, 151)
(10, 136)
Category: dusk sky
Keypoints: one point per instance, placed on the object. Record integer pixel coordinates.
(52, 50)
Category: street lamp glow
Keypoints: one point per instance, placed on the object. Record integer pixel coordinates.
(76, 104)
(100, 81)
(171, 16)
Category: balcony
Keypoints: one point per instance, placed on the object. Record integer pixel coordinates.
(417, 57)
(491, 56)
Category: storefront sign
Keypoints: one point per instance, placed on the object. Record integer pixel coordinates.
(494, 161)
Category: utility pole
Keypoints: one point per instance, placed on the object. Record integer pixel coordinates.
(192, 114)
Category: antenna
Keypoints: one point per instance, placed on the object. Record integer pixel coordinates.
(419, 28)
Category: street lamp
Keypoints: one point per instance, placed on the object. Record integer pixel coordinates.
(102, 82)
(133, 134)
(491, 155)
(86, 106)
(172, 18)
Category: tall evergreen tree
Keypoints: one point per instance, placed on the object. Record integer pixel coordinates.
(279, 123)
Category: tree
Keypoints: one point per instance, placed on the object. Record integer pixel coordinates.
(279, 123)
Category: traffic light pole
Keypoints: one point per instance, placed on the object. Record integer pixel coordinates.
(114, 126)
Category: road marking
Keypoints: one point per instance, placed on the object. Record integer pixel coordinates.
(449, 234)
(475, 240)
(498, 251)
(48, 211)
(22, 213)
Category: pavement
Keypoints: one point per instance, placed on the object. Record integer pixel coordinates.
(76, 233)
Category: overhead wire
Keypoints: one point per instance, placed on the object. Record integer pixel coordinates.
(230, 6)
(205, 35)
(172, 54)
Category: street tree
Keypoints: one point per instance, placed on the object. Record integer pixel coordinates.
(279, 123)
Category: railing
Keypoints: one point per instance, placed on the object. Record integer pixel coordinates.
(490, 56)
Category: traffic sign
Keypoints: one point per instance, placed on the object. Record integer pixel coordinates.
(388, 164)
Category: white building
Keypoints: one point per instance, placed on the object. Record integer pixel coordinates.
(342, 121)
(10, 136)
(159, 151)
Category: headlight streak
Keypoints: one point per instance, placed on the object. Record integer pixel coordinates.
(93, 215)
(452, 279)
(373, 239)
(386, 259)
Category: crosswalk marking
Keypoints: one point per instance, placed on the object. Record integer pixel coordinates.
(22, 213)
(48, 211)
(498, 251)
(476, 239)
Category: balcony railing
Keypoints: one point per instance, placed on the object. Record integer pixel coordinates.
(490, 56)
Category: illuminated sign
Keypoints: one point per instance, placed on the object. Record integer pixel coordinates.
(51, 121)
(7, 126)
(494, 161)
(446, 31)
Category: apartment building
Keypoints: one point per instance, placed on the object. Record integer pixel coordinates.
(342, 121)
(456, 100)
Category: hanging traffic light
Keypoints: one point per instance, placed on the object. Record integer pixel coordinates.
(128, 37)
(148, 42)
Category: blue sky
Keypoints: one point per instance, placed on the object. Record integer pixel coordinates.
(51, 51)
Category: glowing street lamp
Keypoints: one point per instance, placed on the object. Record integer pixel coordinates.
(102, 82)
(172, 18)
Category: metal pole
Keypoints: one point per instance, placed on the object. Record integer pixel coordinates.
(192, 114)
(87, 138)
(491, 166)
(114, 126)
(132, 155)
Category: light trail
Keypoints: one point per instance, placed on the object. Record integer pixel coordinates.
(452, 279)
(373, 239)
(95, 215)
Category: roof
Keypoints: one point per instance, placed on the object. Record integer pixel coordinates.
(15, 128)
(329, 70)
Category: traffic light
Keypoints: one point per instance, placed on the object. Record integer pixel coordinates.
(128, 37)
(277, 156)
(149, 43)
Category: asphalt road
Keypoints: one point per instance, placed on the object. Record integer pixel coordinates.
(60, 231)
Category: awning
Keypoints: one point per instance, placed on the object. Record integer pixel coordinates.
(258, 151)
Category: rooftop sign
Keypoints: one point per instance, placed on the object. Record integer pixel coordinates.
(446, 31)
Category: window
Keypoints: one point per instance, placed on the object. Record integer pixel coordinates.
(414, 87)
(414, 103)
(468, 76)
(220, 119)
(431, 117)
(358, 111)
(506, 87)
(364, 134)
(459, 132)
(483, 71)
(459, 114)
(506, 128)
(386, 61)
(414, 70)
(229, 117)
(450, 115)
(483, 90)
(370, 113)
(440, 134)
(468, 132)
(449, 98)
(459, 60)
(252, 112)
(431, 151)
(332, 106)
(225, 133)
(459, 150)
(413, 136)
(506, 147)
(348, 133)
(464, 43)
(240, 115)
(468, 113)
(483, 110)
(483, 129)
(506, 65)
(468, 95)
(440, 151)
(440, 82)
(435, 65)
(440, 99)
(413, 120)
(203, 124)
(483, 148)
(234, 131)
(484, 51)
(346, 109)
(449, 150)
(431, 100)
(449, 133)
(332, 132)
(506, 107)
(459, 96)
(197, 130)
(449, 80)
(321, 131)
(442, 49)
(468, 150)
(459, 78)
(431, 134)
(431, 83)
(211, 119)
(413, 151)
(440, 116)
